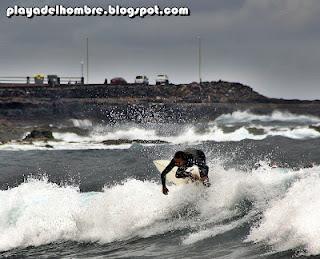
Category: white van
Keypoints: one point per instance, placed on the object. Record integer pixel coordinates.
(162, 80)
(142, 80)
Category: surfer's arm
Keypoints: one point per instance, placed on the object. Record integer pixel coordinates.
(204, 170)
(165, 171)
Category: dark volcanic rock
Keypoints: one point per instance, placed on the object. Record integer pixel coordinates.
(220, 91)
(317, 128)
(229, 129)
(256, 131)
(39, 135)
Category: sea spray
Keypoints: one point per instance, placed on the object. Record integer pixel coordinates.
(237, 126)
(38, 212)
(292, 220)
(275, 116)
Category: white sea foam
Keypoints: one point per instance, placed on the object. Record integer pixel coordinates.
(192, 135)
(295, 133)
(214, 132)
(231, 188)
(292, 220)
(189, 135)
(247, 116)
(70, 137)
(38, 212)
(210, 233)
(51, 145)
(128, 133)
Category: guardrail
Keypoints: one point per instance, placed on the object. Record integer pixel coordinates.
(28, 80)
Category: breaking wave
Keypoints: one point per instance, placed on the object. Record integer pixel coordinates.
(276, 116)
(237, 126)
(283, 205)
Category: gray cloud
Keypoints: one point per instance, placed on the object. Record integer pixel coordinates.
(272, 45)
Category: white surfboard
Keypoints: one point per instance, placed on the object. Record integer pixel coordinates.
(171, 176)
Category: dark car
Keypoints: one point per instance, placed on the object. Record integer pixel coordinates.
(118, 81)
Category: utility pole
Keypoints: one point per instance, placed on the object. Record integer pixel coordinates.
(199, 58)
(87, 60)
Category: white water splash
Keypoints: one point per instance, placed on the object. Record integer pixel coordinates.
(292, 220)
(215, 131)
(38, 212)
(84, 124)
(247, 116)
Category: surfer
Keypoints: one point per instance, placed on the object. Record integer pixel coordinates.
(184, 160)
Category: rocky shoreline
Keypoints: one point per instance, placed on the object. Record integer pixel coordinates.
(138, 103)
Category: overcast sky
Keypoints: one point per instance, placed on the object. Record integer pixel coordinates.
(270, 45)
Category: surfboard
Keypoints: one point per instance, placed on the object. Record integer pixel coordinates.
(171, 176)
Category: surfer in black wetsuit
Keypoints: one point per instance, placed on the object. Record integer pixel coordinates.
(183, 160)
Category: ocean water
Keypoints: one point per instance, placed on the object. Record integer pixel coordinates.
(80, 198)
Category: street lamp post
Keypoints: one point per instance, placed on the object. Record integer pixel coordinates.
(82, 64)
(82, 70)
(87, 60)
(199, 59)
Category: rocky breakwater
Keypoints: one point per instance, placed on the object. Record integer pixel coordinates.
(138, 103)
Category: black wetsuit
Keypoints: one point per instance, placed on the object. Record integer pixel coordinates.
(194, 157)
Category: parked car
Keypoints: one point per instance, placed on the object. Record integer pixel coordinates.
(162, 80)
(53, 80)
(38, 79)
(118, 81)
(142, 80)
